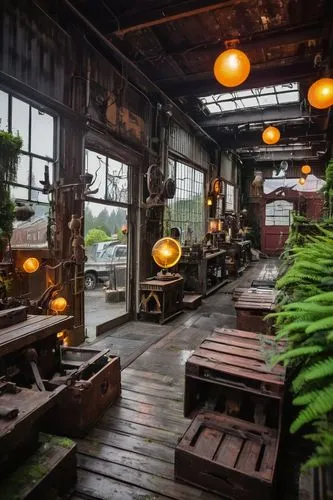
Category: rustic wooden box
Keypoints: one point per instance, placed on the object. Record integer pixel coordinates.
(228, 373)
(228, 456)
(251, 308)
(84, 401)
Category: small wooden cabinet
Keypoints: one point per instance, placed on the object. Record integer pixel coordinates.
(203, 275)
(161, 300)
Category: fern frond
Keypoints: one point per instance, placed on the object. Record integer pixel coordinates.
(297, 353)
(319, 405)
(322, 324)
(321, 369)
(322, 297)
(317, 461)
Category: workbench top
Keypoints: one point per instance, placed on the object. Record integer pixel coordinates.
(34, 328)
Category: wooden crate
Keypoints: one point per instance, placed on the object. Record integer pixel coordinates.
(228, 373)
(251, 308)
(85, 400)
(228, 456)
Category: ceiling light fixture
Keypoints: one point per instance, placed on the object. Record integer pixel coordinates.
(306, 169)
(320, 94)
(232, 67)
(271, 135)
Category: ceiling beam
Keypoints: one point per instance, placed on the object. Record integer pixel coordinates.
(199, 85)
(140, 20)
(272, 114)
(271, 157)
(270, 38)
(255, 139)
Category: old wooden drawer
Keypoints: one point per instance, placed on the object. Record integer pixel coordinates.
(228, 456)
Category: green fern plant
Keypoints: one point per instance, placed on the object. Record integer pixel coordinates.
(304, 321)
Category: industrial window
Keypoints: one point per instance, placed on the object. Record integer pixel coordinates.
(252, 98)
(230, 198)
(110, 177)
(279, 213)
(187, 209)
(37, 131)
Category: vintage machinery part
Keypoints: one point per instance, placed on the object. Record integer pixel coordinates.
(32, 358)
(154, 179)
(169, 190)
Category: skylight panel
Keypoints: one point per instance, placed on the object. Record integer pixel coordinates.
(252, 98)
(250, 102)
(286, 97)
(267, 100)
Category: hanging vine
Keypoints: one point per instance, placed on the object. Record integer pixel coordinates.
(10, 147)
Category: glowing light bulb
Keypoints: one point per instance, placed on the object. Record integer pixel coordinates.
(58, 304)
(31, 265)
(306, 169)
(320, 94)
(232, 67)
(271, 135)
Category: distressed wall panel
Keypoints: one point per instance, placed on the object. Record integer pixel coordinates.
(35, 50)
(188, 146)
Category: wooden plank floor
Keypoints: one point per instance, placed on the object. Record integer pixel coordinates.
(130, 452)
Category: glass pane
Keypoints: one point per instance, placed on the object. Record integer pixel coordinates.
(286, 86)
(267, 100)
(3, 110)
(250, 102)
(42, 133)
(23, 171)
(266, 90)
(96, 165)
(213, 108)
(228, 106)
(33, 232)
(39, 196)
(117, 181)
(19, 193)
(20, 121)
(244, 93)
(230, 197)
(38, 169)
(288, 97)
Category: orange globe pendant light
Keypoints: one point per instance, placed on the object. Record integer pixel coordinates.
(306, 169)
(58, 304)
(301, 181)
(271, 135)
(31, 265)
(320, 94)
(232, 67)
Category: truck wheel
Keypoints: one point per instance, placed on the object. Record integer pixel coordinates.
(90, 281)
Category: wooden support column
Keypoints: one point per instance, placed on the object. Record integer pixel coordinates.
(69, 200)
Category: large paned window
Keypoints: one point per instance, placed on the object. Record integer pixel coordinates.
(110, 177)
(37, 130)
(230, 198)
(279, 213)
(187, 209)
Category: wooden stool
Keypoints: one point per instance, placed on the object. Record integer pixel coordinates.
(228, 456)
(228, 373)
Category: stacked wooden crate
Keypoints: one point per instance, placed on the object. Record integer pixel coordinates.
(236, 403)
(252, 305)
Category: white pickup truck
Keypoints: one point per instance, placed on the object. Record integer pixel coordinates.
(104, 267)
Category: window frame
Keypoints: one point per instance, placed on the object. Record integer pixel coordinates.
(27, 153)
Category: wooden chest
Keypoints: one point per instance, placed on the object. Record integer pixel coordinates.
(228, 456)
(251, 308)
(228, 373)
(85, 400)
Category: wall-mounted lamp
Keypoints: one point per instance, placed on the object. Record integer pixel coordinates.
(210, 200)
(31, 265)
(58, 304)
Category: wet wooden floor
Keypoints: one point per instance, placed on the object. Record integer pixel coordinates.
(130, 452)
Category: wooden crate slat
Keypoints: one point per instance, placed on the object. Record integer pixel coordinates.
(238, 333)
(248, 458)
(229, 449)
(241, 372)
(207, 442)
(237, 361)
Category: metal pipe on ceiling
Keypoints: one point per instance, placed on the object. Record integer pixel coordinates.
(126, 60)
